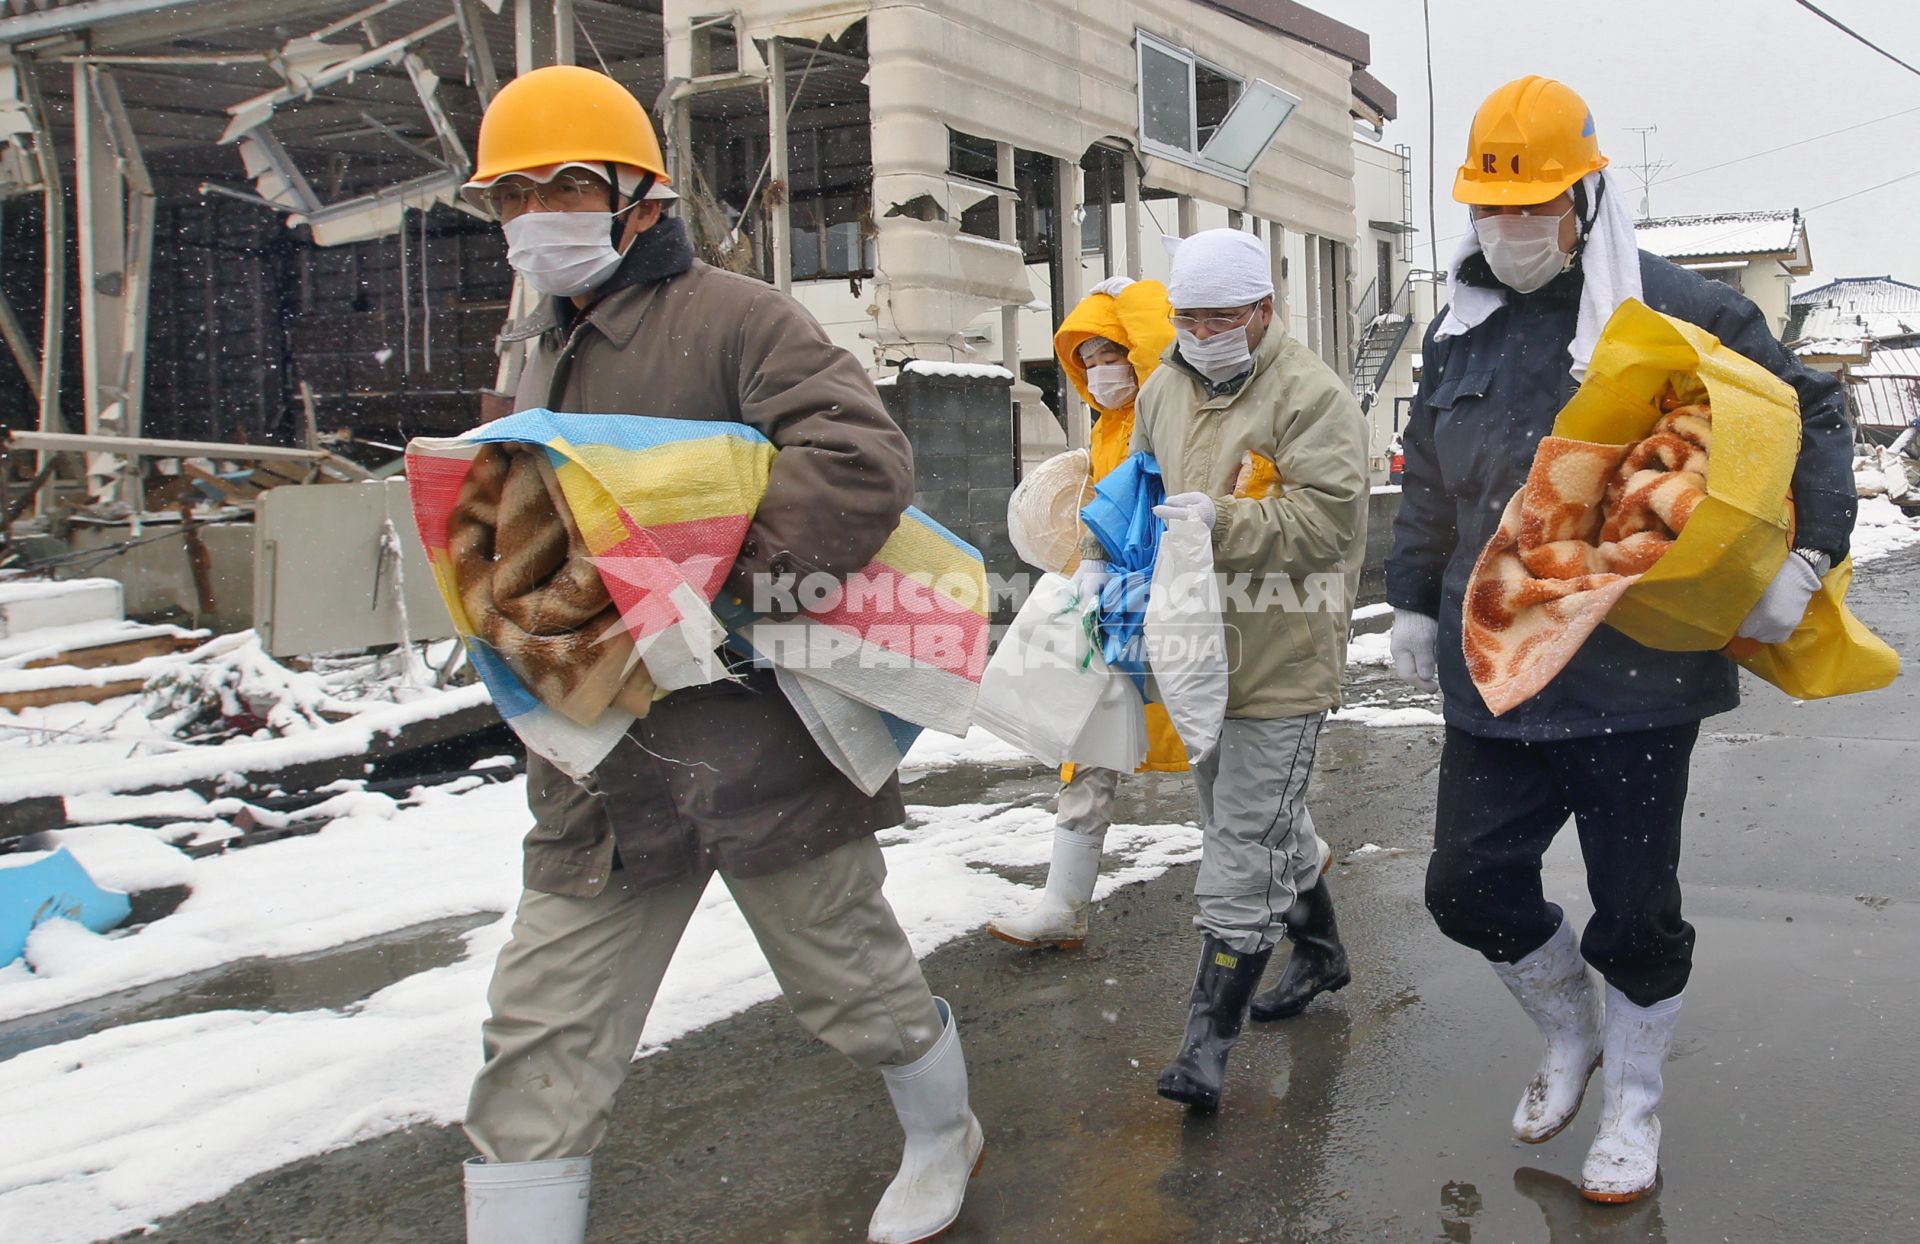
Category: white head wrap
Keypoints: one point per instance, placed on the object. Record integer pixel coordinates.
(1610, 263)
(1219, 268)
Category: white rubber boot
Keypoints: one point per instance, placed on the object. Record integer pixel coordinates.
(1625, 1158)
(1555, 989)
(528, 1202)
(1061, 918)
(944, 1142)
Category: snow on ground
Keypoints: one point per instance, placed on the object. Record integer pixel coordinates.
(1382, 717)
(117, 1129)
(1370, 649)
(933, 752)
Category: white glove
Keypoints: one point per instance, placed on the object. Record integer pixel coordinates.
(1089, 578)
(1414, 641)
(1783, 604)
(1195, 505)
(1112, 286)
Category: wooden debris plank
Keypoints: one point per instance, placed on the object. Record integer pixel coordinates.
(125, 652)
(42, 697)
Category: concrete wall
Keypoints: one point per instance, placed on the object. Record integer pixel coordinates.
(962, 432)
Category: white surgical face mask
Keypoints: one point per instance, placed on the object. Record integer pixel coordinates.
(1220, 357)
(1523, 251)
(1112, 384)
(562, 253)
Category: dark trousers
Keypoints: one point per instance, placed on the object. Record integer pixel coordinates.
(1502, 802)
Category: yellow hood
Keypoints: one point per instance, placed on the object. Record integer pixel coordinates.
(1139, 318)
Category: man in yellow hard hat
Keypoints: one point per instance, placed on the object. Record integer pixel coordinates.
(719, 778)
(1109, 345)
(1550, 254)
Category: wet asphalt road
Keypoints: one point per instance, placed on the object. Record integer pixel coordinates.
(1382, 1113)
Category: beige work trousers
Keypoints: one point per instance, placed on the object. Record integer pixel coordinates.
(573, 986)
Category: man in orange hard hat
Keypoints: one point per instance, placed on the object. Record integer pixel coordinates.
(1550, 254)
(719, 778)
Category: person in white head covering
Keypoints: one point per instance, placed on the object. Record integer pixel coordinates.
(1259, 441)
(1550, 255)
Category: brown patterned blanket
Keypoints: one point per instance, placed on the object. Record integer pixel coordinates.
(529, 588)
(1590, 520)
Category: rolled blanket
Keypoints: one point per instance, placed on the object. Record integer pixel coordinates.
(580, 557)
(1590, 520)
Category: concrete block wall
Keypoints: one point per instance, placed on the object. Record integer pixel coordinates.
(964, 455)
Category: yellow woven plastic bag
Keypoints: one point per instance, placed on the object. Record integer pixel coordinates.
(1695, 597)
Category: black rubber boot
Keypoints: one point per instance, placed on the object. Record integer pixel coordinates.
(1227, 978)
(1319, 963)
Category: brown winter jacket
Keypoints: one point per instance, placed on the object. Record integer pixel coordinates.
(723, 776)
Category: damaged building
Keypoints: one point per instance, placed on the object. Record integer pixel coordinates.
(236, 221)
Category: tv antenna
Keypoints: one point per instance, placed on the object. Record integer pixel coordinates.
(1647, 170)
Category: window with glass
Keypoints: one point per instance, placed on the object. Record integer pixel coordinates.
(1201, 114)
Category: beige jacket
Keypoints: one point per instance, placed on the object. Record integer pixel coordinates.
(1291, 562)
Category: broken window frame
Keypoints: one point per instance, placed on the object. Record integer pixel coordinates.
(982, 219)
(704, 34)
(1248, 100)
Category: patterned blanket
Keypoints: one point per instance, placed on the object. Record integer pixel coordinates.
(580, 557)
(1590, 520)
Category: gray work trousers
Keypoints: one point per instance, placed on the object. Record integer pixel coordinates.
(572, 989)
(1258, 849)
(1085, 806)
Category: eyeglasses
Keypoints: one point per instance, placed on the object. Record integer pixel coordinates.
(508, 197)
(1215, 323)
(1559, 206)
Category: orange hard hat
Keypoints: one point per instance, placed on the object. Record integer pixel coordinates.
(1531, 140)
(565, 114)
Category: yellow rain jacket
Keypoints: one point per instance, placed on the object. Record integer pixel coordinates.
(1139, 319)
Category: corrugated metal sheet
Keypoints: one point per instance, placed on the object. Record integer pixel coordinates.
(1883, 391)
(1730, 233)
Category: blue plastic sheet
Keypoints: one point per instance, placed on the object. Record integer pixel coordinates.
(1121, 517)
(54, 888)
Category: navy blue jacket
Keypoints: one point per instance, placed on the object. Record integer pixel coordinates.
(1486, 398)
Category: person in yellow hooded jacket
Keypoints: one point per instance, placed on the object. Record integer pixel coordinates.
(1108, 345)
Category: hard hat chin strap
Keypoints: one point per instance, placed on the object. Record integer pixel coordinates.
(1582, 216)
(640, 192)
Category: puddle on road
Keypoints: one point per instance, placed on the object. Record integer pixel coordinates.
(323, 980)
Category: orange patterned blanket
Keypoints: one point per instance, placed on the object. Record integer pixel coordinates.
(1590, 520)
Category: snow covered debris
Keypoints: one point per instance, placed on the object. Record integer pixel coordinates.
(1881, 529)
(972, 371)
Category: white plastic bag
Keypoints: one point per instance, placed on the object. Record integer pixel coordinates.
(1046, 676)
(1186, 638)
(1115, 736)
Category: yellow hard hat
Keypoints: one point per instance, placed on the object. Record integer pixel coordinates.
(564, 114)
(1531, 140)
